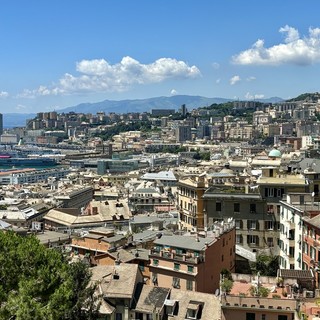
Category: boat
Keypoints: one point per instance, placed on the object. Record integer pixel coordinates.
(27, 162)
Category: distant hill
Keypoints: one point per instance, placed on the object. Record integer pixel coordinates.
(145, 105)
(136, 105)
(311, 97)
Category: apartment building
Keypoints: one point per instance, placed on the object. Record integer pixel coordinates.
(193, 262)
(256, 227)
(190, 202)
(290, 242)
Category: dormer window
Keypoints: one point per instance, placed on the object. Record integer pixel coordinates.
(171, 306)
(194, 310)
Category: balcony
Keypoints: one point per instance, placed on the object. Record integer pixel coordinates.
(179, 257)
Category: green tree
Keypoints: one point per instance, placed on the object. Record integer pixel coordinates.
(39, 283)
(226, 285)
(266, 265)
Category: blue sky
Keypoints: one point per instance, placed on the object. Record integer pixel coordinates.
(56, 54)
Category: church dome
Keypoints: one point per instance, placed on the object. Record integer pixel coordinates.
(274, 153)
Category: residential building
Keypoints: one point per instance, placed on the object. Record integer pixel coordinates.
(75, 196)
(118, 285)
(291, 242)
(190, 202)
(95, 214)
(244, 303)
(256, 226)
(183, 133)
(193, 262)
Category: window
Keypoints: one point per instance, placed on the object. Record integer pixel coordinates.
(176, 266)
(312, 253)
(190, 269)
(176, 282)
(238, 238)
(252, 224)
(155, 262)
(253, 240)
(269, 225)
(238, 224)
(263, 317)
(191, 314)
(252, 207)
(189, 285)
(282, 317)
(222, 258)
(236, 207)
(250, 316)
(218, 206)
(270, 242)
(118, 316)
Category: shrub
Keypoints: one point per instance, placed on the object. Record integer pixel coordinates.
(259, 291)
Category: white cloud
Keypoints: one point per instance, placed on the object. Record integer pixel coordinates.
(234, 80)
(295, 50)
(99, 75)
(251, 79)
(249, 96)
(173, 92)
(4, 94)
(218, 81)
(20, 107)
(215, 65)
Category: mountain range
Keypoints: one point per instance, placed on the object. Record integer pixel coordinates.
(123, 106)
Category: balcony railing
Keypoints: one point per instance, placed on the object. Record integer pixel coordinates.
(176, 256)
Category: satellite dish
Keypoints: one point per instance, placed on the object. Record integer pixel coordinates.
(217, 293)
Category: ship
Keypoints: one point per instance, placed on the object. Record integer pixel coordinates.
(7, 160)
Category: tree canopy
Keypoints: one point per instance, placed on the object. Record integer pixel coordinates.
(266, 265)
(39, 283)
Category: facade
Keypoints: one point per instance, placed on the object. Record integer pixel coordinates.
(183, 133)
(193, 262)
(290, 242)
(190, 202)
(311, 245)
(21, 176)
(162, 112)
(256, 226)
(148, 200)
(76, 197)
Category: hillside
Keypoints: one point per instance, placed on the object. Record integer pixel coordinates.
(135, 105)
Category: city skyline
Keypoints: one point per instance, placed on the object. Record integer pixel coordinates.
(60, 54)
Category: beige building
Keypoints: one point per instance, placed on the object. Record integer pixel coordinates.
(190, 202)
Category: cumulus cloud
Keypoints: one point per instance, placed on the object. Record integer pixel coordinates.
(4, 94)
(234, 80)
(99, 75)
(295, 50)
(173, 92)
(250, 96)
